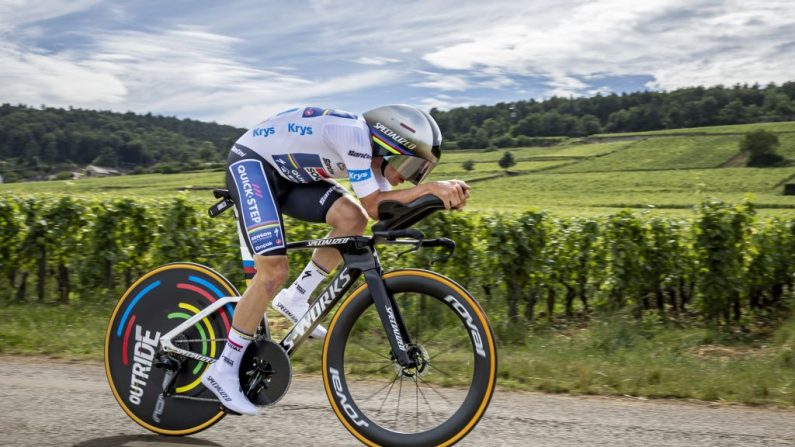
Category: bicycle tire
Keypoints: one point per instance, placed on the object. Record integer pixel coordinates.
(353, 321)
(155, 304)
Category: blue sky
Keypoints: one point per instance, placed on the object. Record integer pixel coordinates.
(237, 62)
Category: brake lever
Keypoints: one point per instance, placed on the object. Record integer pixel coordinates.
(449, 245)
(441, 242)
(416, 246)
(442, 258)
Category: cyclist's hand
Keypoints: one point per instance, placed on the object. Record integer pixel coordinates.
(453, 193)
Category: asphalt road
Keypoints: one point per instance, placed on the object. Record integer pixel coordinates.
(52, 403)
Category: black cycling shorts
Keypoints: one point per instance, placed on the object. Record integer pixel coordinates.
(261, 195)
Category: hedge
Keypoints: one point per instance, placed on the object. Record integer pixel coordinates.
(722, 266)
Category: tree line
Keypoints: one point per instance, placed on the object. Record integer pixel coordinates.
(36, 142)
(529, 123)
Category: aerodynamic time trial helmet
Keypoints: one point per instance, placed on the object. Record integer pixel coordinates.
(407, 137)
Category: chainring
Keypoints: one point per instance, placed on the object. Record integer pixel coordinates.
(265, 372)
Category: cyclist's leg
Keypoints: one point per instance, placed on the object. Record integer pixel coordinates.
(271, 273)
(253, 187)
(334, 207)
(347, 218)
(256, 189)
(322, 201)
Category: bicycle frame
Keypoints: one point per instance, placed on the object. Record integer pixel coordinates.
(360, 258)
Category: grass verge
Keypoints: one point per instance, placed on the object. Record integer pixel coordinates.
(615, 357)
(622, 357)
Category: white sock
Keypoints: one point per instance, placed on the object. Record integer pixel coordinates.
(236, 344)
(221, 378)
(306, 283)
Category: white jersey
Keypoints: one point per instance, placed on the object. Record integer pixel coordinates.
(311, 143)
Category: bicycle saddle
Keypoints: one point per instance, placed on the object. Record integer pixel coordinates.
(397, 216)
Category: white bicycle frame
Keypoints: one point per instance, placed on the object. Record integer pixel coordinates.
(166, 340)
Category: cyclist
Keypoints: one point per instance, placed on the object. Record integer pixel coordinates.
(286, 165)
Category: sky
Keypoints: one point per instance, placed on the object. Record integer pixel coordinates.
(238, 62)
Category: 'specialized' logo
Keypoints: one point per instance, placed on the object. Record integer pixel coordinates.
(395, 137)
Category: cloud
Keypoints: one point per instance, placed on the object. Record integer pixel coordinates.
(601, 90)
(678, 42)
(444, 102)
(186, 71)
(18, 13)
(376, 60)
(497, 81)
(738, 47)
(442, 81)
(562, 85)
(246, 110)
(239, 61)
(34, 78)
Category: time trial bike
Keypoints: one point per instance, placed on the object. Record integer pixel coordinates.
(409, 358)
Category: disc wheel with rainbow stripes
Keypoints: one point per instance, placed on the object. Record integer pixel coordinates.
(155, 304)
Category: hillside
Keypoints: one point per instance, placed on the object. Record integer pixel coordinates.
(651, 171)
(525, 123)
(666, 172)
(35, 143)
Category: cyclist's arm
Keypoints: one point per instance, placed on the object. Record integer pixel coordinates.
(454, 194)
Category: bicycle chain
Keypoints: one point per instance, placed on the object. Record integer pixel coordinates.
(200, 399)
(191, 340)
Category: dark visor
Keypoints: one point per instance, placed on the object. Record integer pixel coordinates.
(413, 169)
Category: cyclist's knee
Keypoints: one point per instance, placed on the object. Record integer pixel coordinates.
(348, 216)
(272, 272)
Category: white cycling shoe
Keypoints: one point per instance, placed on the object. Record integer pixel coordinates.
(295, 309)
(224, 383)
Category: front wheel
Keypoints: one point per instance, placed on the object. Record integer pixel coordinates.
(435, 403)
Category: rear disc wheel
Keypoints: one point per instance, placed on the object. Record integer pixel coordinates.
(154, 305)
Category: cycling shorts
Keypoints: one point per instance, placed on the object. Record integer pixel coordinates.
(261, 195)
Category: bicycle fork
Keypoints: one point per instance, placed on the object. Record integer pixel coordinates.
(391, 319)
(364, 258)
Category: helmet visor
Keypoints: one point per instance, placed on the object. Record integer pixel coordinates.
(413, 169)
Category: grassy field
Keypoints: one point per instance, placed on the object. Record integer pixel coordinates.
(572, 148)
(661, 171)
(787, 148)
(663, 153)
(148, 185)
(616, 357)
(785, 126)
(450, 170)
(623, 357)
(604, 192)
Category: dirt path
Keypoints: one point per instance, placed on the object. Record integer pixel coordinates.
(738, 160)
(48, 403)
